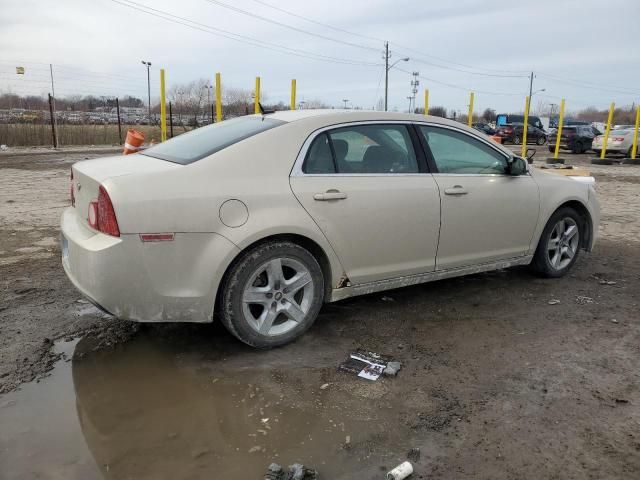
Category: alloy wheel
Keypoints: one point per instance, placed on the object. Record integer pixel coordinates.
(277, 296)
(563, 243)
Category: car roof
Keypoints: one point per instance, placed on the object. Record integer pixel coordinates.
(335, 115)
(318, 118)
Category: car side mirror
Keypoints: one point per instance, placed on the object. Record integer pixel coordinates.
(531, 152)
(516, 166)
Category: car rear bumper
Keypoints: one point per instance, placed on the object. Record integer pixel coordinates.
(145, 281)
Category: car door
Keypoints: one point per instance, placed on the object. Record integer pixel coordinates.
(367, 187)
(487, 214)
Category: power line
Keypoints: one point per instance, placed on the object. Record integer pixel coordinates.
(237, 37)
(466, 71)
(337, 29)
(590, 86)
(512, 73)
(409, 49)
(467, 89)
(290, 27)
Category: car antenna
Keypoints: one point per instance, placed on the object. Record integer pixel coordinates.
(264, 112)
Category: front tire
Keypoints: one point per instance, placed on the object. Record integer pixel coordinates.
(559, 244)
(517, 140)
(541, 141)
(272, 294)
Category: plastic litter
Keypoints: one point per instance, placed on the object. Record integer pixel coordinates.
(401, 472)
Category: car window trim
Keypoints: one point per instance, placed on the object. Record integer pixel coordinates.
(431, 160)
(297, 170)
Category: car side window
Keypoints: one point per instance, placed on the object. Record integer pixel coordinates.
(319, 159)
(373, 149)
(456, 152)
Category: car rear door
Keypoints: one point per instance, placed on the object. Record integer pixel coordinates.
(367, 187)
(487, 215)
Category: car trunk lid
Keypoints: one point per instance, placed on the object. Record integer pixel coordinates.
(88, 175)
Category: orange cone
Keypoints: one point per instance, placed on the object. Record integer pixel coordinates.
(133, 142)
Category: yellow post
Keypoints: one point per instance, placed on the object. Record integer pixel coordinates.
(218, 99)
(470, 122)
(293, 94)
(634, 148)
(256, 101)
(605, 140)
(523, 150)
(559, 132)
(426, 101)
(163, 109)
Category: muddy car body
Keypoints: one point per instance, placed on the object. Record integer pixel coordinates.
(261, 219)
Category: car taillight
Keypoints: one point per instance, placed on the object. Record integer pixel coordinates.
(73, 196)
(102, 216)
(617, 139)
(107, 221)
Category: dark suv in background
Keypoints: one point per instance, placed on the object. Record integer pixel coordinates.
(514, 132)
(577, 138)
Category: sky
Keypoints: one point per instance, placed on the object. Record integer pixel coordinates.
(585, 51)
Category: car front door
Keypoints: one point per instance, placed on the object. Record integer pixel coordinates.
(487, 215)
(367, 187)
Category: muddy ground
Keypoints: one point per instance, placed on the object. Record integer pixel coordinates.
(497, 383)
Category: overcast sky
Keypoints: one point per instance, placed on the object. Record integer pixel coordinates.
(584, 50)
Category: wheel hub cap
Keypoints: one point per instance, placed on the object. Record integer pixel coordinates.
(277, 296)
(563, 243)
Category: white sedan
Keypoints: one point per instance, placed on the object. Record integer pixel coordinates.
(260, 219)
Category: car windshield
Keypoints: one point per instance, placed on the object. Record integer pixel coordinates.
(202, 142)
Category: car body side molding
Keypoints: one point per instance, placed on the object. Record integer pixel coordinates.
(405, 281)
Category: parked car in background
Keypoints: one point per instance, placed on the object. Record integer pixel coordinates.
(503, 119)
(484, 128)
(578, 138)
(514, 133)
(620, 142)
(263, 218)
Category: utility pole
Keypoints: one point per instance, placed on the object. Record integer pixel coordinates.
(386, 75)
(52, 102)
(414, 90)
(345, 100)
(530, 90)
(148, 65)
(387, 67)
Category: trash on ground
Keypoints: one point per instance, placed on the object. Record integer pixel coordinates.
(613, 320)
(297, 471)
(392, 369)
(554, 301)
(607, 282)
(369, 365)
(3, 147)
(324, 386)
(582, 300)
(401, 471)
(414, 454)
(387, 299)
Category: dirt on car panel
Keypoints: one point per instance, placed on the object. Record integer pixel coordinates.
(496, 382)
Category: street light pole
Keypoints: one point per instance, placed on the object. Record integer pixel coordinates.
(345, 100)
(148, 65)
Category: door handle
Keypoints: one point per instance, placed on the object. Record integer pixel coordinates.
(330, 195)
(456, 190)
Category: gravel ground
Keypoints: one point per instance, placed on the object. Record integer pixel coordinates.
(497, 382)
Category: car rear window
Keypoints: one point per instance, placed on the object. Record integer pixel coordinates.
(202, 142)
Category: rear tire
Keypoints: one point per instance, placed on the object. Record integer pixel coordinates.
(517, 140)
(541, 141)
(577, 148)
(559, 244)
(272, 294)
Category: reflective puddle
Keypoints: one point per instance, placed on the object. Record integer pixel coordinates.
(149, 409)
